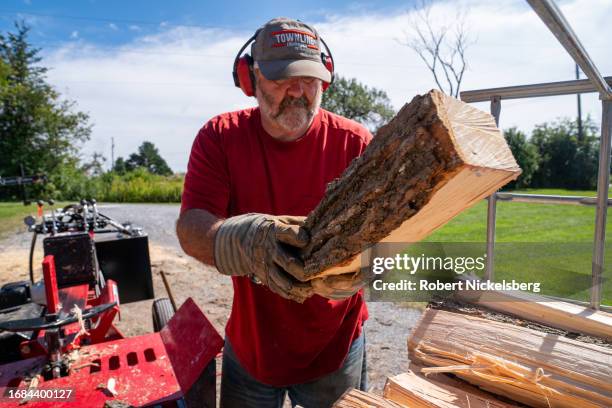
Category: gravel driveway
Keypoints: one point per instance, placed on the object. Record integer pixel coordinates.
(386, 331)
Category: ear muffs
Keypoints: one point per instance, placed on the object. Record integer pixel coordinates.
(243, 69)
(243, 75)
(329, 64)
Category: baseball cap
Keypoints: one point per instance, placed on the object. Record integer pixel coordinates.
(286, 48)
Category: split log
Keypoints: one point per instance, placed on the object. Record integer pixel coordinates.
(414, 390)
(436, 158)
(536, 368)
(540, 309)
(360, 399)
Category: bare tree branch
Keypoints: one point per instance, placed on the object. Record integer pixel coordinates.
(444, 54)
(427, 48)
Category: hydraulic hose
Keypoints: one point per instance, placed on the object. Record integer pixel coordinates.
(32, 246)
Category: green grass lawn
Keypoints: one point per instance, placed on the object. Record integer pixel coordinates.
(12, 214)
(524, 222)
(548, 243)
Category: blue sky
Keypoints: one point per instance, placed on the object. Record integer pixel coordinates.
(115, 22)
(158, 70)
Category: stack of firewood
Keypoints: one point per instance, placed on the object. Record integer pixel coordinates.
(493, 364)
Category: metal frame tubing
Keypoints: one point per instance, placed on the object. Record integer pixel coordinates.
(548, 199)
(532, 90)
(603, 183)
(551, 15)
(492, 205)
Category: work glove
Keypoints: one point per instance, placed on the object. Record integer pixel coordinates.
(337, 287)
(264, 248)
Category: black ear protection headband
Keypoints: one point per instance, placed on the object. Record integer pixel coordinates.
(244, 78)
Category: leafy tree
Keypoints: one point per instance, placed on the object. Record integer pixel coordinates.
(526, 155)
(353, 100)
(4, 74)
(566, 162)
(38, 128)
(120, 166)
(148, 157)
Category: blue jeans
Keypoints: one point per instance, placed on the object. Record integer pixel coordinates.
(240, 390)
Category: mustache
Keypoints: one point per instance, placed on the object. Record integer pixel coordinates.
(291, 102)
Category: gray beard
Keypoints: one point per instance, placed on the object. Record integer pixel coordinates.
(293, 114)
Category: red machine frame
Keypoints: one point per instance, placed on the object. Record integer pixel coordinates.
(156, 369)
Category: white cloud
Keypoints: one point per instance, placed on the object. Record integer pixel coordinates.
(74, 34)
(134, 27)
(163, 87)
(113, 26)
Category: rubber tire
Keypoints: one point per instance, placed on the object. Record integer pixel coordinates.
(202, 393)
(162, 313)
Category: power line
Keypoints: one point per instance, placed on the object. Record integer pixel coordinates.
(112, 164)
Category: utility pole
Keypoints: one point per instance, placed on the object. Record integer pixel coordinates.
(580, 136)
(112, 153)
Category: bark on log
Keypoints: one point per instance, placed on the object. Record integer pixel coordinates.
(436, 158)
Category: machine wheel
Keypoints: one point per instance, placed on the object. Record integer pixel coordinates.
(162, 313)
(202, 393)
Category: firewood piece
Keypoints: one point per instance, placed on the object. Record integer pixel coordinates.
(532, 367)
(415, 390)
(436, 158)
(360, 399)
(555, 313)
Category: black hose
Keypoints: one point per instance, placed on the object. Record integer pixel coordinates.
(71, 207)
(32, 245)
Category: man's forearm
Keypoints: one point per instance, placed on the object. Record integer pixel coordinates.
(196, 231)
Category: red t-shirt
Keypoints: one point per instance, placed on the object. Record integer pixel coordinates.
(236, 167)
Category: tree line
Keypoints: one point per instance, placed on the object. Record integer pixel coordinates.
(556, 155)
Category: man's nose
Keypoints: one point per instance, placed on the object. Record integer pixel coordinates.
(295, 89)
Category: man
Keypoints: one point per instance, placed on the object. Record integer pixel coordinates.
(246, 169)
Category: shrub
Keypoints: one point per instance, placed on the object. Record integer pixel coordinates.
(140, 186)
(566, 161)
(526, 155)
